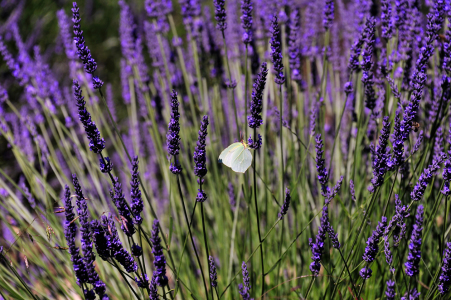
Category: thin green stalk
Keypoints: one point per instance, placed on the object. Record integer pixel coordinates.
(444, 225)
(258, 221)
(206, 244)
(310, 287)
(230, 82)
(125, 279)
(191, 236)
(391, 191)
(245, 91)
(349, 273)
(357, 237)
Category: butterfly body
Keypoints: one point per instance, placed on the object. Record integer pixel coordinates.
(237, 156)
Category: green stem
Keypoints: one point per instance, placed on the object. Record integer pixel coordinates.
(230, 82)
(258, 222)
(191, 236)
(205, 241)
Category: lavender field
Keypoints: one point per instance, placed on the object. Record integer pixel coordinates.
(225, 149)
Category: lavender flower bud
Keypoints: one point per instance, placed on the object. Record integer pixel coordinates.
(425, 179)
(414, 256)
(390, 292)
(213, 275)
(246, 20)
(220, 14)
(372, 247)
(321, 167)
(200, 154)
(328, 14)
(285, 205)
(387, 25)
(96, 143)
(137, 204)
(256, 104)
(122, 208)
(106, 166)
(153, 292)
(445, 275)
(380, 157)
(70, 232)
(255, 144)
(83, 51)
(159, 260)
(276, 52)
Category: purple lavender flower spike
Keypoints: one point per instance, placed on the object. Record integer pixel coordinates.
(417, 145)
(439, 149)
(256, 104)
(445, 275)
(70, 231)
(137, 250)
(380, 156)
(115, 246)
(82, 50)
(398, 145)
(328, 14)
(257, 144)
(351, 188)
(387, 25)
(173, 137)
(96, 143)
(372, 247)
(390, 292)
(213, 275)
(414, 256)
(200, 155)
(100, 240)
(126, 32)
(413, 294)
(106, 165)
(321, 166)
(159, 260)
(425, 179)
(142, 281)
(220, 14)
(388, 254)
(245, 288)
(285, 205)
(246, 20)
(294, 51)
(86, 241)
(447, 178)
(317, 247)
(153, 292)
(276, 52)
(367, 64)
(137, 204)
(122, 208)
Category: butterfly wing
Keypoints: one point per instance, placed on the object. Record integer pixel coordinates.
(242, 161)
(228, 153)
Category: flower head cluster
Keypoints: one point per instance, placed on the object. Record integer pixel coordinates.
(372, 247)
(317, 247)
(367, 63)
(390, 292)
(285, 205)
(114, 245)
(220, 14)
(142, 281)
(159, 260)
(153, 291)
(445, 275)
(106, 165)
(96, 143)
(356, 49)
(70, 231)
(245, 288)
(257, 144)
(200, 154)
(213, 275)
(173, 135)
(137, 205)
(328, 14)
(294, 51)
(321, 166)
(86, 241)
(447, 178)
(414, 256)
(256, 103)
(413, 294)
(397, 222)
(122, 208)
(425, 179)
(387, 25)
(388, 254)
(100, 240)
(276, 52)
(246, 20)
(380, 157)
(82, 50)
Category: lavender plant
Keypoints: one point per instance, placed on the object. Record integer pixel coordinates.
(358, 95)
